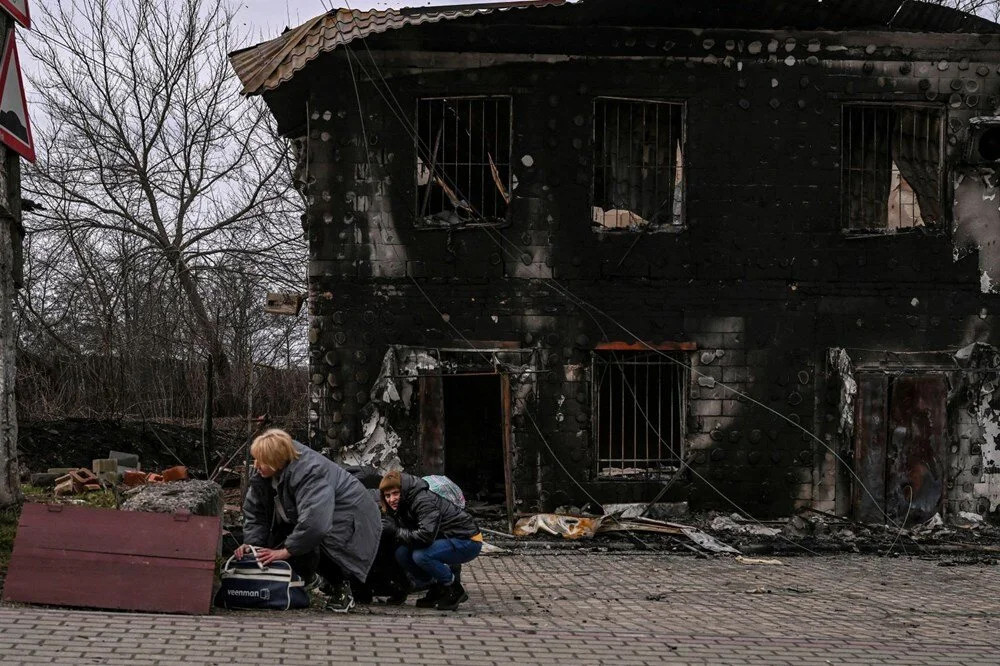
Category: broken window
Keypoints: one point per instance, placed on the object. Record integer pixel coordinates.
(639, 398)
(463, 161)
(892, 169)
(638, 164)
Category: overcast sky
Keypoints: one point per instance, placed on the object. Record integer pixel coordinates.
(269, 17)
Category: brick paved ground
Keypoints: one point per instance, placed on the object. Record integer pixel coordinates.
(581, 608)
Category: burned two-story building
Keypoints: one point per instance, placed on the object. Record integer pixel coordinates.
(742, 250)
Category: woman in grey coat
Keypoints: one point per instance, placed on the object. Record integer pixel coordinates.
(306, 509)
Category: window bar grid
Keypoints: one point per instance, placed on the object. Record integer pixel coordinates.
(621, 444)
(659, 410)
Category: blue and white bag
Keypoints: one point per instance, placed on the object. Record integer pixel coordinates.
(248, 584)
(446, 488)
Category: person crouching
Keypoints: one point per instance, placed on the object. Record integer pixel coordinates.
(432, 533)
(305, 509)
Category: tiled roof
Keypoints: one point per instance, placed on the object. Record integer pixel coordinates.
(266, 66)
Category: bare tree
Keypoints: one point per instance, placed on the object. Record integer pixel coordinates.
(152, 169)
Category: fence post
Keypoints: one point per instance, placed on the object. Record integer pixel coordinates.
(245, 476)
(207, 431)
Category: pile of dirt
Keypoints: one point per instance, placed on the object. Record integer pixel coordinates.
(77, 442)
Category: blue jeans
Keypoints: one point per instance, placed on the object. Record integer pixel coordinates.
(430, 564)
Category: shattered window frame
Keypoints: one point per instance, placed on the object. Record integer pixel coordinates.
(463, 193)
(899, 142)
(669, 213)
(668, 409)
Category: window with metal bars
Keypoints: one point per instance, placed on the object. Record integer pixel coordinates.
(638, 164)
(463, 161)
(892, 173)
(639, 402)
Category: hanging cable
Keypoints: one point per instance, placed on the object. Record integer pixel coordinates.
(591, 310)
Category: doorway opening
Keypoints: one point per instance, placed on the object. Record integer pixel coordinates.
(474, 436)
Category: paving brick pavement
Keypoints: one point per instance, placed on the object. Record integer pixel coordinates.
(581, 608)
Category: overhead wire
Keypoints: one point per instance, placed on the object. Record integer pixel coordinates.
(588, 308)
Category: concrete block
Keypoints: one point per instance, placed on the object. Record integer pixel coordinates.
(83, 476)
(44, 479)
(101, 465)
(125, 460)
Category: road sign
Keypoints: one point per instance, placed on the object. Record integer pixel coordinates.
(19, 10)
(15, 127)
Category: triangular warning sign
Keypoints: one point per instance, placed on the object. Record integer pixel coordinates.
(19, 10)
(15, 127)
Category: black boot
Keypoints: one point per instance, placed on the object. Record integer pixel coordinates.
(454, 594)
(434, 594)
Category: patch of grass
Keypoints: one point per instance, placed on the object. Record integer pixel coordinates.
(8, 530)
(101, 499)
(35, 493)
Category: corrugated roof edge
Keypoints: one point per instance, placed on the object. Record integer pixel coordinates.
(267, 65)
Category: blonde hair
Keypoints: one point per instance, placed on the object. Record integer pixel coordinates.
(274, 448)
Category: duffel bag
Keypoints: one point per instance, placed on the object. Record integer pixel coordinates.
(246, 583)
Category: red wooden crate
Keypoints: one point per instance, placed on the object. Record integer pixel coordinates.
(101, 558)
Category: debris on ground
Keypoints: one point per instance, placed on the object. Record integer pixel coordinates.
(656, 510)
(758, 560)
(76, 482)
(199, 498)
(736, 524)
(569, 527)
(586, 527)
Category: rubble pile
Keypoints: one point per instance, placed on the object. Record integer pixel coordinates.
(170, 490)
(816, 531)
(199, 498)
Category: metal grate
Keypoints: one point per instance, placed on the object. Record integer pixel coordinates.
(638, 164)
(463, 160)
(638, 418)
(892, 168)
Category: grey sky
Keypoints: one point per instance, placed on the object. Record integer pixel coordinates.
(267, 18)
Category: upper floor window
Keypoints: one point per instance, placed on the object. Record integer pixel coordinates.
(892, 168)
(638, 164)
(463, 161)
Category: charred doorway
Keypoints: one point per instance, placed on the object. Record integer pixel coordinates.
(899, 447)
(474, 435)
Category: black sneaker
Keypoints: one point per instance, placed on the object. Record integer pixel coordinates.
(434, 594)
(454, 594)
(341, 601)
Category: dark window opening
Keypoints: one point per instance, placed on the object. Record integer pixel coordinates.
(638, 419)
(892, 170)
(638, 164)
(473, 436)
(989, 144)
(463, 161)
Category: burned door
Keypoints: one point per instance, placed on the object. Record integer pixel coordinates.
(915, 461)
(465, 433)
(870, 436)
(899, 442)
